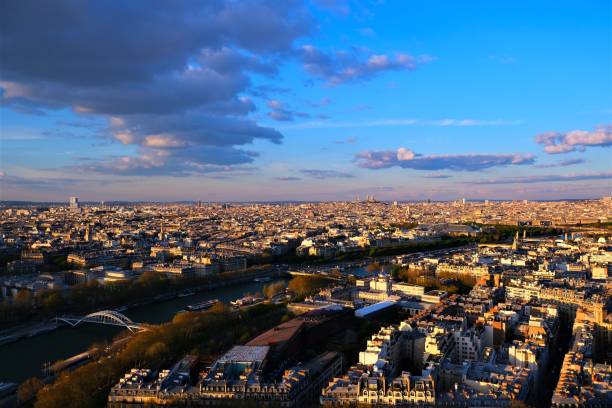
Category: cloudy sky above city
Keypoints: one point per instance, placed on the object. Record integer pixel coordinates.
(291, 100)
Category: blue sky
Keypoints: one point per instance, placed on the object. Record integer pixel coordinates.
(321, 100)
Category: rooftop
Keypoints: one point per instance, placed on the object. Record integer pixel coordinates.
(245, 354)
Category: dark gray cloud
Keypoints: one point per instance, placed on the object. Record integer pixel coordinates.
(407, 159)
(230, 60)
(287, 178)
(169, 76)
(436, 176)
(325, 174)
(191, 89)
(47, 183)
(351, 66)
(282, 113)
(189, 130)
(547, 178)
(575, 140)
(561, 163)
(265, 91)
(97, 43)
(177, 162)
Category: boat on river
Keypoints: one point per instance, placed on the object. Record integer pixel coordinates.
(186, 293)
(247, 301)
(198, 307)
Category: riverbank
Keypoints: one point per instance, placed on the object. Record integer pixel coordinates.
(23, 331)
(15, 334)
(209, 332)
(25, 358)
(30, 330)
(271, 273)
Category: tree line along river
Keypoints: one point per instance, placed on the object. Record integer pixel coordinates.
(25, 358)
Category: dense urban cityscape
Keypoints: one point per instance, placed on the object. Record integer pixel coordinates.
(455, 304)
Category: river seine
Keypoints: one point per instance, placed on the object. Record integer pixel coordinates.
(26, 357)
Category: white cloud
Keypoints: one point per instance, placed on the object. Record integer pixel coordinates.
(340, 67)
(405, 154)
(406, 158)
(547, 178)
(558, 142)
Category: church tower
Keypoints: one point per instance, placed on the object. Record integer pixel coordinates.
(161, 232)
(515, 243)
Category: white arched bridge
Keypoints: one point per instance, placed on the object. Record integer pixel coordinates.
(107, 317)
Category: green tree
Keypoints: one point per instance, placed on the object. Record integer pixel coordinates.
(52, 302)
(408, 275)
(23, 298)
(306, 285)
(273, 289)
(209, 332)
(373, 267)
(157, 353)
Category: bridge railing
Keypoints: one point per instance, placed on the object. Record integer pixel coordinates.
(108, 317)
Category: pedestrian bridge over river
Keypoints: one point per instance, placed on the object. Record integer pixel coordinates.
(107, 317)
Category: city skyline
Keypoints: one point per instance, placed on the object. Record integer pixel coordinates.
(305, 101)
(425, 304)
